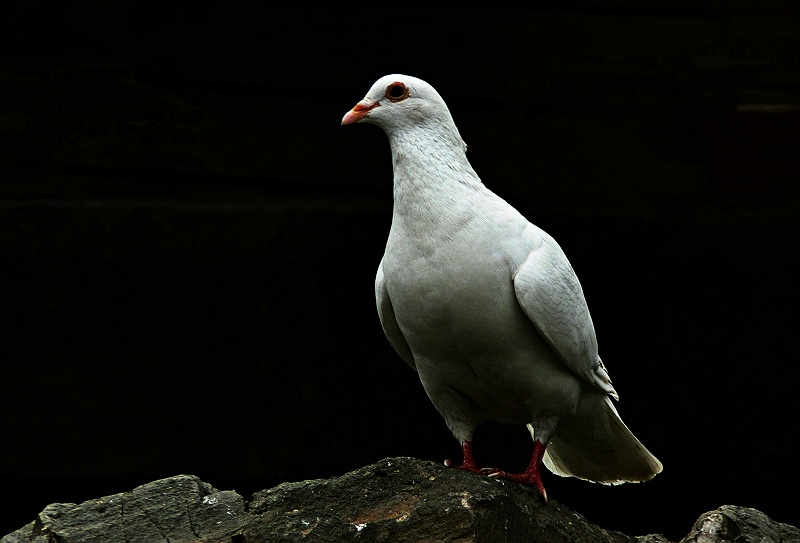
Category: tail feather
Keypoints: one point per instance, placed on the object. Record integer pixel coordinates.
(597, 446)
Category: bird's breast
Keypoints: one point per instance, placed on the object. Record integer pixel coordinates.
(456, 287)
(454, 300)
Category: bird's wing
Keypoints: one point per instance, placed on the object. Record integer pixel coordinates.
(388, 320)
(551, 296)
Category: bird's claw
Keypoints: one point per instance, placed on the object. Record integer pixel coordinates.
(526, 478)
(522, 478)
(465, 466)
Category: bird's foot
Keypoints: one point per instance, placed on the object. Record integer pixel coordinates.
(470, 467)
(469, 460)
(529, 477)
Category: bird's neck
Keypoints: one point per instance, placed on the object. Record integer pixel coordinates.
(434, 183)
(428, 165)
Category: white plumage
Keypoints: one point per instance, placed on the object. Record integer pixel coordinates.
(486, 306)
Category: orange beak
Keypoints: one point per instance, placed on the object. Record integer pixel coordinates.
(360, 111)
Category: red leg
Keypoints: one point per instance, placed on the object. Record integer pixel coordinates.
(469, 459)
(531, 476)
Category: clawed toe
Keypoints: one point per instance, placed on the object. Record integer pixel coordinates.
(527, 479)
(466, 467)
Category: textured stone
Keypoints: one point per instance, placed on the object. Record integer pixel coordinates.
(734, 524)
(394, 500)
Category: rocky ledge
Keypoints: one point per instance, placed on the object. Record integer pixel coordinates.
(396, 499)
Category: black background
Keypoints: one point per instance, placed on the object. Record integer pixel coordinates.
(188, 238)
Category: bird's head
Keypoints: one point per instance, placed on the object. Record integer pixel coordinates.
(401, 103)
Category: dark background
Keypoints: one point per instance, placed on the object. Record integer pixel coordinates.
(188, 238)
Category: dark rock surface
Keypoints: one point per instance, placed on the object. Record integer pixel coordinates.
(396, 499)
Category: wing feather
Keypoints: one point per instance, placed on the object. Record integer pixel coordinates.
(388, 320)
(551, 296)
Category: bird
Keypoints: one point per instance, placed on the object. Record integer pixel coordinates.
(486, 307)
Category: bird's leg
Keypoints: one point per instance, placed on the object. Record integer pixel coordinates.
(532, 475)
(469, 459)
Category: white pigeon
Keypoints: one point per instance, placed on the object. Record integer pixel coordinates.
(485, 305)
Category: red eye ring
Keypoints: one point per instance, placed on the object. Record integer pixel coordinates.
(396, 92)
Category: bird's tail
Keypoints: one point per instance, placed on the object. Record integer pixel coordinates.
(595, 445)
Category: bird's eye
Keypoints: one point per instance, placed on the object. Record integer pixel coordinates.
(396, 92)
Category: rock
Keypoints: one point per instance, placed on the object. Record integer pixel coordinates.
(731, 523)
(402, 499)
(396, 500)
(180, 508)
